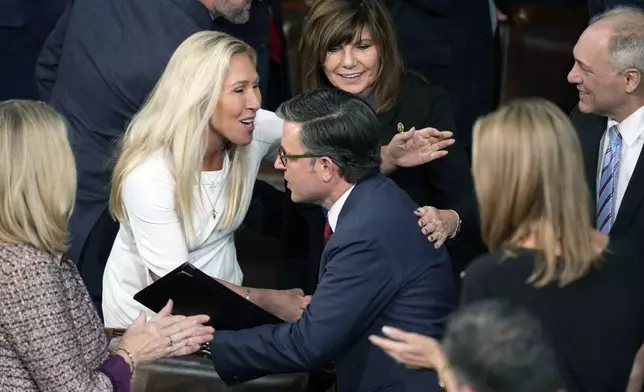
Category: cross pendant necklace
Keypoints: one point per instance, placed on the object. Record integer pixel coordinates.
(221, 189)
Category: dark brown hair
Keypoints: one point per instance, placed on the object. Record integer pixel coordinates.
(331, 23)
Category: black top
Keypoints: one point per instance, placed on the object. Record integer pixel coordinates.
(596, 324)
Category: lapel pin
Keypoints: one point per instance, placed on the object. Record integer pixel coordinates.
(400, 127)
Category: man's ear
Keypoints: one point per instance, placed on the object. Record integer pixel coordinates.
(328, 168)
(633, 80)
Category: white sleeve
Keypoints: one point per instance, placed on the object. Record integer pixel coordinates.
(148, 197)
(268, 132)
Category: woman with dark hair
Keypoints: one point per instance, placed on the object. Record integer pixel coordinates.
(351, 45)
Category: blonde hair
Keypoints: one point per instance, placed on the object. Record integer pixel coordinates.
(37, 176)
(176, 120)
(529, 180)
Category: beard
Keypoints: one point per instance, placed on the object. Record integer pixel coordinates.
(233, 14)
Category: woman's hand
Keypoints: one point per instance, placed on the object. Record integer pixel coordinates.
(437, 225)
(417, 351)
(636, 378)
(164, 335)
(285, 304)
(411, 349)
(415, 147)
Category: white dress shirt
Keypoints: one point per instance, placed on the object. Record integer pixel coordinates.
(632, 133)
(334, 212)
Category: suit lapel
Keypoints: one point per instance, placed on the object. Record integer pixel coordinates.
(632, 199)
(590, 130)
(359, 191)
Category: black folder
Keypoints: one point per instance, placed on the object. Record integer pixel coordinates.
(193, 292)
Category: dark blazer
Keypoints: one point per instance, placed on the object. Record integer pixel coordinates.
(376, 270)
(444, 183)
(629, 222)
(24, 27)
(450, 42)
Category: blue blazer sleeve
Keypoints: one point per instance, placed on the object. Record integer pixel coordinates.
(357, 284)
(47, 62)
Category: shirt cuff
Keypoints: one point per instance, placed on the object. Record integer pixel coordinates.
(117, 370)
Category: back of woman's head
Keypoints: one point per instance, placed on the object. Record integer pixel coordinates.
(175, 120)
(333, 23)
(37, 176)
(529, 179)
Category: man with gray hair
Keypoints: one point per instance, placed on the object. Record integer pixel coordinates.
(377, 268)
(493, 347)
(609, 74)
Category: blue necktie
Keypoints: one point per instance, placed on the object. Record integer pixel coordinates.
(608, 181)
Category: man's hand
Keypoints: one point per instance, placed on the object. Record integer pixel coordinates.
(437, 225)
(413, 148)
(285, 304)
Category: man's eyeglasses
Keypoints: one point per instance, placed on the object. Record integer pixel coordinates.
(284, 157)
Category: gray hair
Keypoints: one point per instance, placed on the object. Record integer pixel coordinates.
(626, 47)
(337, 125)
(494, 347)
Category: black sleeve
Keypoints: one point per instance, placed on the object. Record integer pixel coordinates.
(47, 62)
(475, 280)
(449, 178)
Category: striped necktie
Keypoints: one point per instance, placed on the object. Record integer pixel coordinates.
(608, 181)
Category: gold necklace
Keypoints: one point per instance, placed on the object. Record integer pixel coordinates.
(221, 190)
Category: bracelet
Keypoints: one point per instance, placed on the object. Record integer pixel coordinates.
(247, 294)
(129, 354)
(441, 382)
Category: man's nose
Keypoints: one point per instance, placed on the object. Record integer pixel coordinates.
(573, 75)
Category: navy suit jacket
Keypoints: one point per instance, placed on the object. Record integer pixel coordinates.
(377, 269)
(24, 27)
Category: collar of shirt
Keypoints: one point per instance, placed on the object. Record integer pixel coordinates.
(631, 128)
(334, 212)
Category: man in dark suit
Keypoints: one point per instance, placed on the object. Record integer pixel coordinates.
(451, 43)
(97, 67)
(377, 268)
(609, 74)
(24, 26)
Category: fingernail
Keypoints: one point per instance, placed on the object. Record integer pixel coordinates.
(386, 329)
